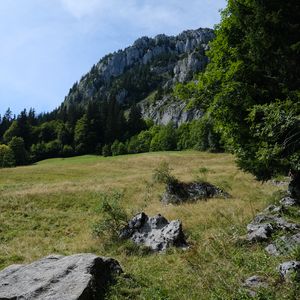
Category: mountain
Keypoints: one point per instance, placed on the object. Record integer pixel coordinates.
(145, 73)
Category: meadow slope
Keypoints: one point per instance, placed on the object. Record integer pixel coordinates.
(50, 207)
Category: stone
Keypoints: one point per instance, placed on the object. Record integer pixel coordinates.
(272, 250)
(259, 232)
(288, 202)
(156, 233)
(253, 283)
(79, 276)
(288, 268)
(273, 209)
(275, 221)
(179, 192)
(284, 245)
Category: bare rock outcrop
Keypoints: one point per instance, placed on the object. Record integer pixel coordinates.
(179, 192)
(156, 232)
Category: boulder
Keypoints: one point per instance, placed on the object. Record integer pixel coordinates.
(288, 268)
(273, 209)
(283, 245)
(156, 232)
(288, 202)
(75, 277)
(263, 225)
(259, 232)
(253, 283)
(179, 192)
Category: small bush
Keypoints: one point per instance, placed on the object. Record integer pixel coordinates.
(162, 174)
(7, 158)
(106, 151)
(113, 216)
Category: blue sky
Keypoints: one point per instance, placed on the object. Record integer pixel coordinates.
(47, 45)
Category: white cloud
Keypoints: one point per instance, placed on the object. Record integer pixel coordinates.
(149, 15)
(82, 8)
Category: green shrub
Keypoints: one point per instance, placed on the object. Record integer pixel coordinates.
(18, 148)
(106, 151)
(67, 151)
(113, 216)
(7, 158)
(162, 174)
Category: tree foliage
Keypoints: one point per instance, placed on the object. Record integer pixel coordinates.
(251, 85)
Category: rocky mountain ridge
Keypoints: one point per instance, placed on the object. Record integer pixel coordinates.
(145, 73)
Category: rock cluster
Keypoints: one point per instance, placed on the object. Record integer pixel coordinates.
(261, 229)
(154, 232)
(75, 277)
(179, 192)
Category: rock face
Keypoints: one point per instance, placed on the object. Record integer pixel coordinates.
(154, 232)
(288, 268)
(167, 110)
(75, 277)
(152, 64)
(179, 192)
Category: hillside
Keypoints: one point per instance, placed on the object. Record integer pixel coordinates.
(50, 207)
(146, 73)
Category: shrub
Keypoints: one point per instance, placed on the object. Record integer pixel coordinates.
(165, 139)
(114, 148)
(122, 149)
(113, 216)
(162, 174)
(106, 151)
(18, 148)
(67, 151)
(7, 158)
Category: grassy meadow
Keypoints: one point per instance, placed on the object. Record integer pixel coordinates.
(50, 207)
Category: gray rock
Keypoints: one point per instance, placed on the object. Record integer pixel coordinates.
(284, 245)
(288, 202)
(259, 232)
(155, 232)
(179, 192)
(276, 221)
(288, 268)
(168, 110)
(272, 250)
(56, 277)
(273, 209)
(253, 283)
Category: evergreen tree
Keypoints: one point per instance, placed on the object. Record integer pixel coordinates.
(17, 146)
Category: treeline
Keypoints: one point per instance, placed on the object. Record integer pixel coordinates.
(198, 135)
(102, 128)
(67, 131)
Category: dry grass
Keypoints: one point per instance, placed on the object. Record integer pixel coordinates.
(50, 208)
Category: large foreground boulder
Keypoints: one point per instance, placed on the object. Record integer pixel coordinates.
(178, 192)
(57, 277)
(154, 232)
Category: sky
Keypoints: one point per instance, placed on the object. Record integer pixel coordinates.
(47, 45)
